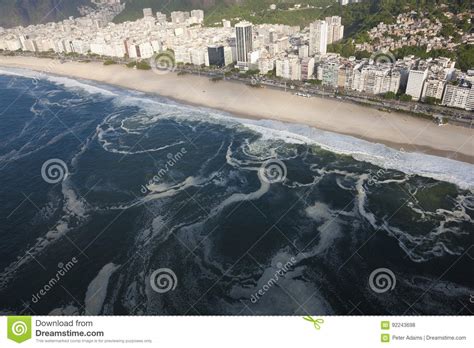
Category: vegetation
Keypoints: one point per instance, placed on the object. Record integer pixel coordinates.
(252, 72)
(390, 95)
(139, 65)
(109, 62)
(431, 100)
(143, 65)
(405, 97)
(314, 82)
(16, 12)
(464, 55)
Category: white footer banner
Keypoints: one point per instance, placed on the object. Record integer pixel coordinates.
(237, 331)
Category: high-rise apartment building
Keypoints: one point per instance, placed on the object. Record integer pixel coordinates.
(335, 29)
(244, 41)
(416, 80)
(318, 37)
(459, 96)
(433, 88)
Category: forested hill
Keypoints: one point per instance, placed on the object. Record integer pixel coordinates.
(26, 12)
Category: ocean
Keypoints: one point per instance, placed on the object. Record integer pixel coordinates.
(117, 202)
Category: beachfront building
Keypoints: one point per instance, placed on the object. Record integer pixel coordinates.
(288, 68)
(244, 42)
(291, 52)
(433, 88)
(329, 72)
(416, 80)
(459, 95)
(217, 55)
(318, 37)
(307, 68)
(373, 79)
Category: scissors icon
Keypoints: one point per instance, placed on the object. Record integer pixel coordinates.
(316, 322)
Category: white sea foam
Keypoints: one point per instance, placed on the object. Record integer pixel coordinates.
(439, 168)
(59, 80)
(97, 289)
(71, 83)
(329, 230)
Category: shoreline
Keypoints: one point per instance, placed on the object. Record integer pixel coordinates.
(395, 130)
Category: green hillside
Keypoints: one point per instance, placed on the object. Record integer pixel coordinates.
(134, 8)
(25, 12)
(355, 17)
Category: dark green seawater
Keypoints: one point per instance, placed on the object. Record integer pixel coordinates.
(116, 202)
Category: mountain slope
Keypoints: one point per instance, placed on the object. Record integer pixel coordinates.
(25, 12)
(134, 8)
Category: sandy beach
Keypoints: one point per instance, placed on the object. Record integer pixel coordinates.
(396, 130)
